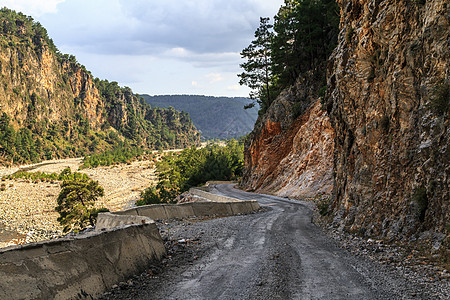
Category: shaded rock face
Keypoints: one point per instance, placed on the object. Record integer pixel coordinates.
(287, 155)
(391, 157)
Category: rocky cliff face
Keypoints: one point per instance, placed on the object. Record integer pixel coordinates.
(388, 101)
(290, 151)
(51, 106)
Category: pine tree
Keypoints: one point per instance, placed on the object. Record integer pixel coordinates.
(257, 73)
(76, 201)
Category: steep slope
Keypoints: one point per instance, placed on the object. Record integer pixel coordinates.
(290, 151)
(214, 117)
(50, 106)
(389, 104)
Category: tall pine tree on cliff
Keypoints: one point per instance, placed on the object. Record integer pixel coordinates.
(257, 73)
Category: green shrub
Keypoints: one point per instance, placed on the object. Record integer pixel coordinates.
(297, 109)
(193, 167)
(120, 154)
(152, 196)
(76, 202)
(323, 204)
(371, 75)
(322, 91)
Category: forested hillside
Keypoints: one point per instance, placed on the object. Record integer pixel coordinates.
(214, 117)
(51, 106)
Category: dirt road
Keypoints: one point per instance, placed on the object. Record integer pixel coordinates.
(276, 254)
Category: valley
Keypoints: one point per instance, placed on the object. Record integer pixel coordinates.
(27, 209)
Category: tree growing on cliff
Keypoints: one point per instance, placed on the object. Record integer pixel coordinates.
(305, 33)
(257, 73)
(76, 202)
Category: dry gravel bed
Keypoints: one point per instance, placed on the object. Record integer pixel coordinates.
(27, 209)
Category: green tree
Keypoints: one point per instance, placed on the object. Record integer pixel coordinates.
(257, 73)
(305, 34)
(76, 201)
(193, 167)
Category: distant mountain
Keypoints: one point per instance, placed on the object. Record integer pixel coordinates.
(214, 117)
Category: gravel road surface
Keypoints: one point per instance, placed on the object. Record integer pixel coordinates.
(274, 254)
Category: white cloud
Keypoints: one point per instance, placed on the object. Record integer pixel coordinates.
(214, 77)
(194, 83)
(35, 8)
(235, 87)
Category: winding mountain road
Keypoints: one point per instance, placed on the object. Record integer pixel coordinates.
(275, 254)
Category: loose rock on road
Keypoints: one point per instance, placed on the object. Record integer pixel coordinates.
(275, 254)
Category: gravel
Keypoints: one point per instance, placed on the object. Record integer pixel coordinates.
(209, 260)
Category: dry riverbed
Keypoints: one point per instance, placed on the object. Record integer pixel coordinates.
(27, 209)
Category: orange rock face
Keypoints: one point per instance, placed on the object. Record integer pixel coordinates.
(295, 162)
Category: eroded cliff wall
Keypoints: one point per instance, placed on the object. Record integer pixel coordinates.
(385, 154)
(290, 151)
(388, 101)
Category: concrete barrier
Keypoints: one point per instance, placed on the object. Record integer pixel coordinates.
(243, 207)
(109, 221)
(179, 211)
(85, 266)
(154, 211)
(128, 212)
(80, 267)
(191, 209)
(210, 209)
(210, 196)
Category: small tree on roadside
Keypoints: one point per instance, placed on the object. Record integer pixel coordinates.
(76, 202)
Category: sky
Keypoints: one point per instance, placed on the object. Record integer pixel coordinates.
(155, 47)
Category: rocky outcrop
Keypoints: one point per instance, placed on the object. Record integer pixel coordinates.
(51, 106)
(388, 100)
(290, 151)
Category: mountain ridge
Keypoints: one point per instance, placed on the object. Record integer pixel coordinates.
(215, 117)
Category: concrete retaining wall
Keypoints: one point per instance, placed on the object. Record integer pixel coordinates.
(191, 209)
(202, 192)
(109, 221)
(80, 267)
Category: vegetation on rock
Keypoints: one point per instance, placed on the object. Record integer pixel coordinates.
(304, 34)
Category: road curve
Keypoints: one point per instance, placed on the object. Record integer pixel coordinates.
(275, 254)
